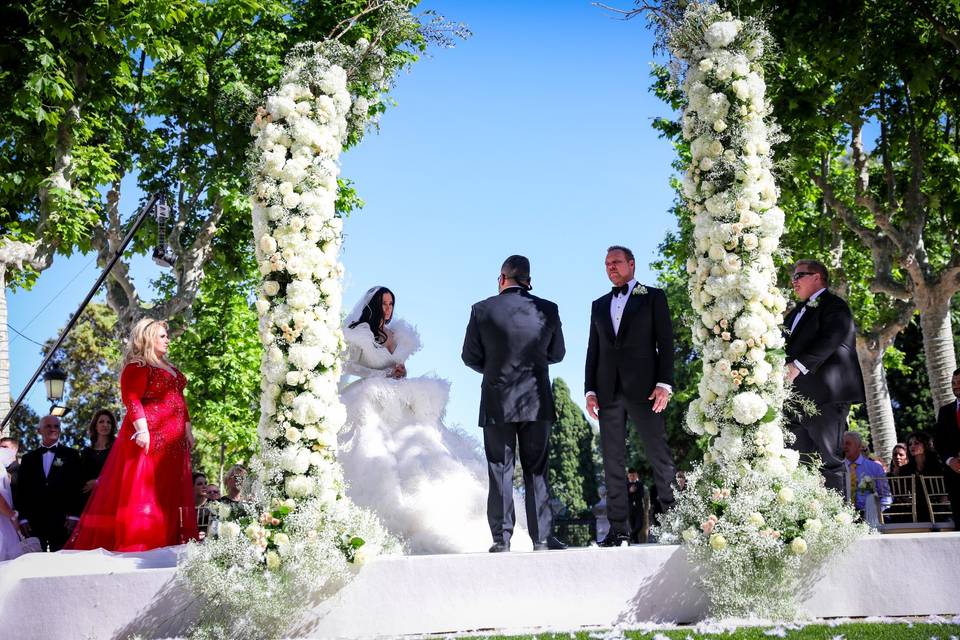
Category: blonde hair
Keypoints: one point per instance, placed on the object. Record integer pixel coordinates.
(140, 343)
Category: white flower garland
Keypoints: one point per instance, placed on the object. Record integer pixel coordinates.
(750, 512)
(303, 538)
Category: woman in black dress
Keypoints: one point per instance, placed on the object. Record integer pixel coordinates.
(102, 432)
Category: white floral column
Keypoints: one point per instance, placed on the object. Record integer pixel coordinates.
(303, 537)
(750, 514)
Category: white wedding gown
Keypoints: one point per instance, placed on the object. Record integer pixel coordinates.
(10, 546)
(427, 482)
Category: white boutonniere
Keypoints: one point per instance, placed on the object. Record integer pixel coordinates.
(813, 304)
(57, 462)
(639, 290)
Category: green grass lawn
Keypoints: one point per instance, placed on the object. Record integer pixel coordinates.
(847, 631)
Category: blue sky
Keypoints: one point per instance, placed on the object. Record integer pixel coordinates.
(532, 137)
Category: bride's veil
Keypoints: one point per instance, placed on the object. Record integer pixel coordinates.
(357, 311)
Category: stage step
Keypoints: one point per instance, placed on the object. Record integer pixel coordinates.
(49, 597)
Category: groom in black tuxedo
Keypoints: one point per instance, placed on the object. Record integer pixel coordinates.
(822, 365)
(48, 492)
(629, 372)
(511, 339)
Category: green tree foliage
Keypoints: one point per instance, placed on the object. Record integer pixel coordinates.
(94, 92)
(219, 353)
(90, 356)
(23, 427)
(572, 475)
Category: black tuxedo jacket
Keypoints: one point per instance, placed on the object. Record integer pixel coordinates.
(640, 355)
(511, 339)
(825, 342)
(46, 501)
(947, 437)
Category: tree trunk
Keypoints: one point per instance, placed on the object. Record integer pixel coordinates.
(883, 431)
(938, 350)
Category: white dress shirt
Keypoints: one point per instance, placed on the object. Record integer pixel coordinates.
(48, 457)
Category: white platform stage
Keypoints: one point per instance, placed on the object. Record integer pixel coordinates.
(52, 596)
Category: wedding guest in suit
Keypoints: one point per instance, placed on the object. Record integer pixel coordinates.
(47, 494)
(863, 474)
(635, 493)
(948, 443)
(822, 365)
(629, 373)
(102, 432)
(511, 339)
(14, 445)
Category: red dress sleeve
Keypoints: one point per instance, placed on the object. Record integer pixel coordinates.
(133, 384)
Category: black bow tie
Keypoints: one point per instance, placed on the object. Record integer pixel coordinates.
(621, 290)
(50, 448)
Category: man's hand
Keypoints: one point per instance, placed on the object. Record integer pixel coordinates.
(955, 465)
(593, 407)
(89, 485)
(660, 397)
(792, 372)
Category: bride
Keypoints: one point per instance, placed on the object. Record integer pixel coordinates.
(425, 481)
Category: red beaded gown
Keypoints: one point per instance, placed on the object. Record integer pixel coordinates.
(144, 499)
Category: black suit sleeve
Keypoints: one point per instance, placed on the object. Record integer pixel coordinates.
(663, 327)
(557, 348)
(473, 354)
(593, 354)
(947, 438)
(836, 322)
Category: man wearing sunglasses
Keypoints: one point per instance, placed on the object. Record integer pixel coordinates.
(822, 365)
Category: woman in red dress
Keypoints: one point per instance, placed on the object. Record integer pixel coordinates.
(144, 498)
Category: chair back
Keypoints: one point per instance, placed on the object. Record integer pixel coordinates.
(938, 502)
(904, 494)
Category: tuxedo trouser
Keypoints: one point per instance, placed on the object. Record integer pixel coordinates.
(500, 442)
(613, 445)
(822, 435)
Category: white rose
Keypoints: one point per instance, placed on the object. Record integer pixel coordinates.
(228, 530)
(798, 546)
(718, 542)
(689, 534)
(273, 560)
(785, 495)
(756, 519)
(748, 407)
(271, 287)
(843, 518)
(292, 434)
(813, 525)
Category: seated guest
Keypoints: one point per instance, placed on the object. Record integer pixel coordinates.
(923, 461)
(898, 460)
(948, 443)
(213, 493)
(234, 483)
(102, 432)
(862, 472)
(204, 515)
(14, 445)
(47, 495)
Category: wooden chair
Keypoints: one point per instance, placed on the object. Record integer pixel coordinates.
(904, 506)
(938, 502)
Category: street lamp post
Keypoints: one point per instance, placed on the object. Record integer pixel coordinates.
(55, 380)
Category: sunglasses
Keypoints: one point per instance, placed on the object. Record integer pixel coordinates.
(802, 274)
